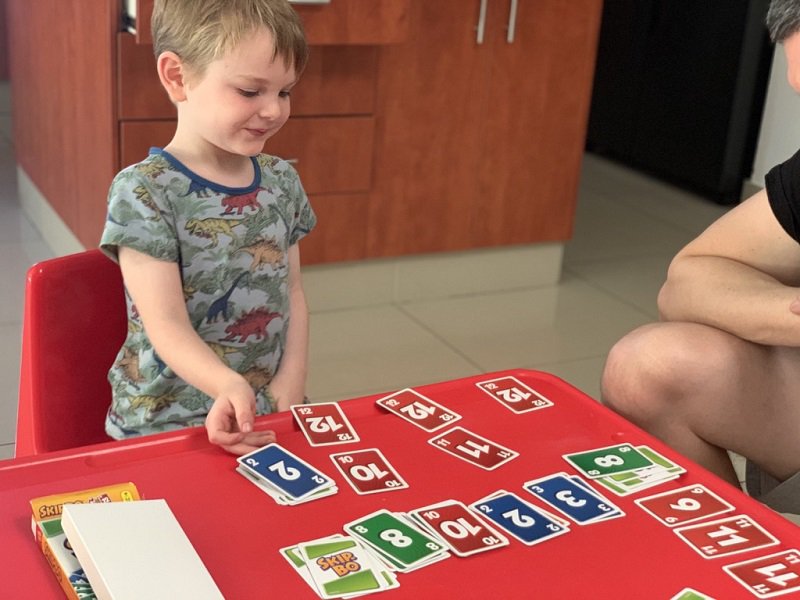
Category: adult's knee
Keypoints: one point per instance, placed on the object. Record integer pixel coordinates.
(657, 365)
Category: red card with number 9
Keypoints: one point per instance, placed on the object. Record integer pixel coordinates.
(685, 505)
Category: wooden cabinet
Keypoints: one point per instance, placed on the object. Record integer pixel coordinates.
(410, 136)
(479, 144)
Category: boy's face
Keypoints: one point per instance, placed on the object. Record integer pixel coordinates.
(241, 99)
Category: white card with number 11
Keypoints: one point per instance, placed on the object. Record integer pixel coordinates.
(324, 424)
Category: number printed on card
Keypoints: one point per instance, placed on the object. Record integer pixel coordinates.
(368, 472)
(324, 424)
(419, 410)
(513, 394)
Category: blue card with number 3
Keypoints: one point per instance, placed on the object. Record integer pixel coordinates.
(518, 518)
(285, 471)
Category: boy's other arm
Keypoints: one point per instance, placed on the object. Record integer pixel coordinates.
(289, 384)
(156, 290)
(741, 275)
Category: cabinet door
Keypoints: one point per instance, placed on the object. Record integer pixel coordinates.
(430, 112)
(539, 86)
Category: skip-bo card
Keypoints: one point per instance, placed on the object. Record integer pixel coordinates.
(338, 566)
(474, 449)
(324, 424)
(285, 471)
(513, 394)
(522, 520)
(609, 460)
(419, 410)
(367, 471)
(573, 498)
(463, 530)
(685, 505)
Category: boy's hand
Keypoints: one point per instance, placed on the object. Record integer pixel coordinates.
(230, 421)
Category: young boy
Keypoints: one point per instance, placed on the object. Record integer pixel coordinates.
(206, 232)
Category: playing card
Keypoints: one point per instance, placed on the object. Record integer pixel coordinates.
(768, 576)
(461, 529)
(684, 505)
(367, 471)
(324, 424)
(396, 538)
(285, 471)
(417, 409)
(513, 394)
(608, 460)
(722, 537)
(522, 520)
(575, 499)
(473, 448)
(340, 566)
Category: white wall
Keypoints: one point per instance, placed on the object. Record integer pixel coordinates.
(779, 137)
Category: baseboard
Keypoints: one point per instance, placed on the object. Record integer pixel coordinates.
(52, 228)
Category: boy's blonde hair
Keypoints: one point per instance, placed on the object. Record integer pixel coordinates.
(201, 31)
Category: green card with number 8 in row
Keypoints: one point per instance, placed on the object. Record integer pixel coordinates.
(394, 537)
(608, 461)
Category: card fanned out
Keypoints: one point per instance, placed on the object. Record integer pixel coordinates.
(134, 550)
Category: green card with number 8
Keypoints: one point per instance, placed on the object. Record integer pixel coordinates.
(608, 461)
(397, 539)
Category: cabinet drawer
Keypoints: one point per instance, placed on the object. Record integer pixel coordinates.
(338, 80)
(337, 22)
(332, 154)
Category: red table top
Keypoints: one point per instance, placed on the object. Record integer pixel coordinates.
(237, 529)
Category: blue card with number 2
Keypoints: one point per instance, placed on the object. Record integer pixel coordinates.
(518, 517)
(285, 471)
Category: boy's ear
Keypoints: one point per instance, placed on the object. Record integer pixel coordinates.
(172, 73)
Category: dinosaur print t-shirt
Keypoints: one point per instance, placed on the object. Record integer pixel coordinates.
(231, 247)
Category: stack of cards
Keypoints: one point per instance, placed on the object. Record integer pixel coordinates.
(324, 424)
(625, 469)
(285, 477)
(529, 524)
(339, 566)
(400, 544)
(574, 498)
(462, 530)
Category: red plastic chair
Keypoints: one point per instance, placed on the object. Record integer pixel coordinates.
(73, 326)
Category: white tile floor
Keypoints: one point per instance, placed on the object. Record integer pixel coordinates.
(627, 228)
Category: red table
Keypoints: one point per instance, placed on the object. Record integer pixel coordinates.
(237, 529)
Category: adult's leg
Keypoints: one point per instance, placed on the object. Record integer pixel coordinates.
(702, 391)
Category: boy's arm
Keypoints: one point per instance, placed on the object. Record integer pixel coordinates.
(741, 275)
(289, 384)
(155, 287)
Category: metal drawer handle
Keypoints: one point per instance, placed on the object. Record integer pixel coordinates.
(481, 22)
(512, 21)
